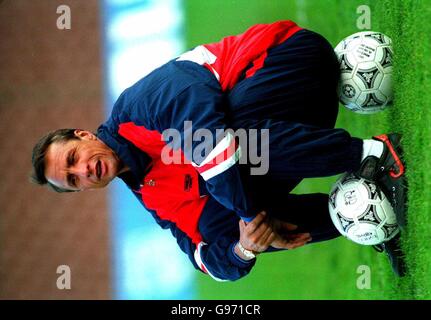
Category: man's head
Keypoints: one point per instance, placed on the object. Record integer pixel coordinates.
(74, 160)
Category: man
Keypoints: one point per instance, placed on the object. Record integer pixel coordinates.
(275, 78)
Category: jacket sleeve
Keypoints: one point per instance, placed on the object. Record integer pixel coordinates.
(216, 259)
(198, 114)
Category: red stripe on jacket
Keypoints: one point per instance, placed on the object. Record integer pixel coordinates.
(171, 190)
(221, 157)
(235, 53)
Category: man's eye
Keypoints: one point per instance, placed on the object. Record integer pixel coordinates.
(72, 180)
(71, 159)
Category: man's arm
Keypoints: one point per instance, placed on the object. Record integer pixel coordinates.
(224, 261)
(216, 259)
(201, 106)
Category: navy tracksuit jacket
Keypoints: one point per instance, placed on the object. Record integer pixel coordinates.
(274, 76)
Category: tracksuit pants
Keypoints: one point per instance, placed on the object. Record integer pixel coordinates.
(295, 96)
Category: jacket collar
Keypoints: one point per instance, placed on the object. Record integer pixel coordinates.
(137, 160)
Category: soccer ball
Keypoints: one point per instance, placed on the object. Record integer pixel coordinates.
(361, 212)
(366, 71)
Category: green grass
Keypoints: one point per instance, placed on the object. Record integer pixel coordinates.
(328, 270)
(410, 28)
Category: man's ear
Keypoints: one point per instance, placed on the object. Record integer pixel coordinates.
(84, 134)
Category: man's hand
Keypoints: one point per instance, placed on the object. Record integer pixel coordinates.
(285, 237)
(263, 232)
(257, 235)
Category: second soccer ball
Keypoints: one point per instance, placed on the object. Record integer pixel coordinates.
(361, 212)
(366, 71)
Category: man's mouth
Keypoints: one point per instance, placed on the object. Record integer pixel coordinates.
(99, 169)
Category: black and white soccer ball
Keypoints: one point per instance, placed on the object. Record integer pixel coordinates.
(361, 212)
(366, 71)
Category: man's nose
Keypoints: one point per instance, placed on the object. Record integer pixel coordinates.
(82, 170)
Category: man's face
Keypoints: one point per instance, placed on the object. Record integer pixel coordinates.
(81, 164)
